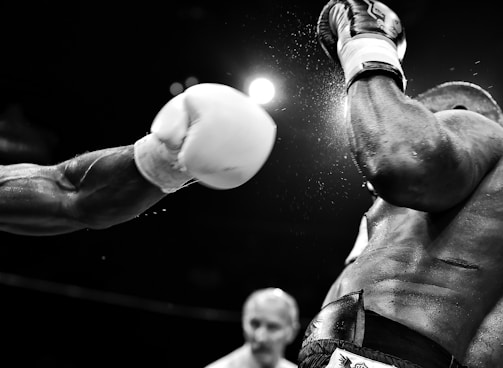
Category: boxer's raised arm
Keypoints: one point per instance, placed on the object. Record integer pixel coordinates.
(413, 157)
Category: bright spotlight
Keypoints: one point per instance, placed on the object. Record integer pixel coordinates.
(261, 90)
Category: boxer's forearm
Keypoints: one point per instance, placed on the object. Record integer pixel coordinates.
(415, 158)
(212, 133)
(93, 190)
(390, 136)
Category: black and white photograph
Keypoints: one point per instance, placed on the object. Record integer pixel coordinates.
(266, 184)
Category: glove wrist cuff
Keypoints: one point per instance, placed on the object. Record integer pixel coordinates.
(158, 164)
(374, 52)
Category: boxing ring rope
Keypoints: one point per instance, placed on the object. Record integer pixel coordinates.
(122, 300)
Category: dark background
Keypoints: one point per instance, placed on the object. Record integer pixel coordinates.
(166, 289)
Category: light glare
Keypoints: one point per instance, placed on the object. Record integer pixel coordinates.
(261, 90)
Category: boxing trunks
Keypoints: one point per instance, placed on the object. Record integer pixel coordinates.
(347, 336)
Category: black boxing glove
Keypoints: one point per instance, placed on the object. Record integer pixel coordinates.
(363, 36)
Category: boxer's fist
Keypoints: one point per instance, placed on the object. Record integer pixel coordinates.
(362, 35)
(212, 133)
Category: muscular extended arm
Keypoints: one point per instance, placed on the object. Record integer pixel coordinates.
(415, 158)
(93, 190)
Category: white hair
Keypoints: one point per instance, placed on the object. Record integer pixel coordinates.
(277, 293)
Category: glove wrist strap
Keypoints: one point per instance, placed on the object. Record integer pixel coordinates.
(363, 53)
(159, 165)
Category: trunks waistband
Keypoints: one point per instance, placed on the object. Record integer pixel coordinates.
(345, 324)
(396, 339)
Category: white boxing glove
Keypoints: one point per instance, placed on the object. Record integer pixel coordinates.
(212, 133)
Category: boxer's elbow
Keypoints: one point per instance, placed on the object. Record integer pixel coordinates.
(411, 175)
(404, 188)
